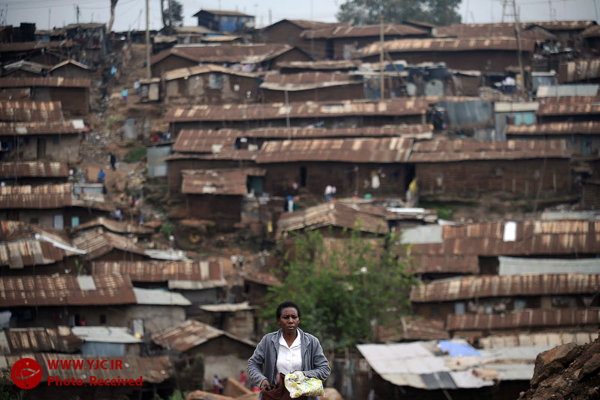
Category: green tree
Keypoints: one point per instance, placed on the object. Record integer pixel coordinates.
(367, 12)
(343, 292)
(172, 13)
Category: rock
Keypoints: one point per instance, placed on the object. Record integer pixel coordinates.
(591, 366)
(553, 360)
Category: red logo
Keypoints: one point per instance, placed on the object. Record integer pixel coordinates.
(26, 373)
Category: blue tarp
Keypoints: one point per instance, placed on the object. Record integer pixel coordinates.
(457, 349)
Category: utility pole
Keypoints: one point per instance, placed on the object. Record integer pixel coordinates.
(77, 14)
(148, 73)
(170, 14)
(381, 67)
(515, 14)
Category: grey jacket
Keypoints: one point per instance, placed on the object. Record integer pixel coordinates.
(263, 363)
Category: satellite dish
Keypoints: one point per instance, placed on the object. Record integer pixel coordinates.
(434, 87)
(411, 89)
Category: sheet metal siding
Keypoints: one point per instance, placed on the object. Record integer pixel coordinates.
(342, 150)
(549, 109)
(580, 70)
(64, 290)
(523, 319)
(275, 111)
(555, 128)
(45, 196)
(34, 169)
(506, 286)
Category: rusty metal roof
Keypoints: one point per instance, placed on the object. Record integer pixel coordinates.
(50, 169)
(450, 263)
(591, 32)
(579, 70)
(50, 196)
(22, 340)
(262, 278)
(412, 328)
(506, 286)
(185, 73)
(532, 318)
(470, 149)
(97, 242)
(231, 155)
(506, 29)
(37, 128)
(28, 46)
(368, 150)
(203, 140)
(225, 53)
(153, 271)
(307, 81)
(45, 82)
(65, 290)
(71, 62)
(336, 65)
(332, 214)
(555, 128)
(487, 239)
(301, 23)
(447, 45)
(114, 226)
(347, 31)
(29, 252)
(29, 111)
(550, 339)
(151, 369)
(309, 109)
(230, 182)
(191, 334)
(553, 108)
(224, 12)
(564, 25)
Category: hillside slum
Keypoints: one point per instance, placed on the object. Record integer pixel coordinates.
(141, 200)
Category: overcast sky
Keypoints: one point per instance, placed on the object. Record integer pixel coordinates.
(130, 13)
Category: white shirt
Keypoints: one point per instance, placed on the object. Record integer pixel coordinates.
(289, 358)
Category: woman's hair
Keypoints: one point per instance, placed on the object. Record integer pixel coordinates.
(286, 304)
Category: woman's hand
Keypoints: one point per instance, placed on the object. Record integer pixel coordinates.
(265, 385)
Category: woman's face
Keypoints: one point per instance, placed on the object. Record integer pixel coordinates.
(289, 319)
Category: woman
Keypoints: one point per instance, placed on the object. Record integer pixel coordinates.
(287, 350)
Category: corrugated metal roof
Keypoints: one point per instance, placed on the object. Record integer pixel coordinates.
(229, 182)
(71, 62)
(515, 107)
(28, 46)
(97, 242)
(38, 197)
(447, 45)
(28, 66)
(22, 340)
(154, 271)
(204, 140)
(506, 29)
(104, 334)
(519, 266)
(524, 319)
(45, 82)
(29, 111)
(453, 263)
(235, 155)
(191, 334)
(159, 297)
(470, 149)
(64, 290)
(555, 128)
(331, 214)
(30, 252)
(39, 169)
(38, 128)
(309, 109)
(505, 286)
(151, 369)
(570, 90)
(185, 73)
(225, 53)
(114, 226)
(486, 239)
(568, 109)
(580, 70)
(346, 31)
(218, 308)
(224, 12)
(591, 32)
(336, 65)
(412, 328)
(369, 150)
(545, 339)
(262, 278)
(307, 81)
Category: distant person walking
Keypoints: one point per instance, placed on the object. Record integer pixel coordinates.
(113, 161)
(101, 176)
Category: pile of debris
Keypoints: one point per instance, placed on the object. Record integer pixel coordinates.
(566, 372)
